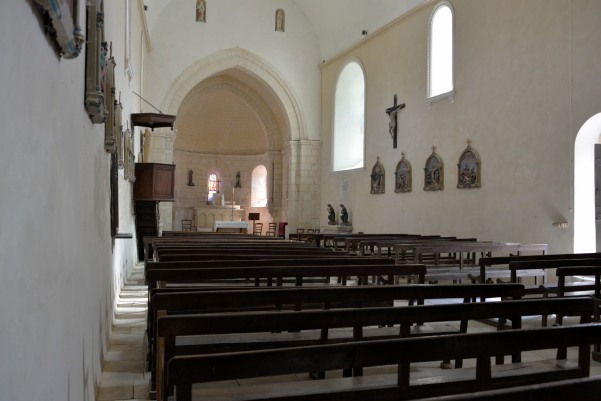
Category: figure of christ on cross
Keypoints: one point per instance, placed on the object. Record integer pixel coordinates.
(392, 126)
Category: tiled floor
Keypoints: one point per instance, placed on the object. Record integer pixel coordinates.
(123, 375)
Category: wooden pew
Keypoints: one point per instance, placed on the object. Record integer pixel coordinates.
(378, 246)
(497, 267)
(297, 273)
(233, 332)
(463, 266)
(522, 268)
(200, 254)
(585, 389)
(338, 241)
(191, 237)
(562, 272)
(564, 288)
(183, 371)
(195, 301)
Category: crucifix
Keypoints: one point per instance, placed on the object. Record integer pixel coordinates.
(392, 112)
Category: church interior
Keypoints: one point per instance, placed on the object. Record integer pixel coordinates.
(280, 109)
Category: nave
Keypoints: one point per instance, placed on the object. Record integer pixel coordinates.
(123, 370)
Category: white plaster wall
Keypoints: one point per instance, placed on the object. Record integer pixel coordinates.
(517, 99)
(59, 269)
(179, 41)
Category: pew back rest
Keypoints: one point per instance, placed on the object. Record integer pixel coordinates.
(185, 370)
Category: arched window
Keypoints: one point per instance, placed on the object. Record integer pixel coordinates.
(258, 194)
(440, 53)
(349, 119)
(212, 186)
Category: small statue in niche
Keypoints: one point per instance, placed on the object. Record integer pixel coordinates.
(238, 185)
(280, 20)
(343, 216)
(190, 178)
(201, 11)
(331, 216)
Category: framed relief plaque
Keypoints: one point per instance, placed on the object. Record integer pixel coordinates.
(468, 175)
(434, 172)
(377, 178)
(403, 176)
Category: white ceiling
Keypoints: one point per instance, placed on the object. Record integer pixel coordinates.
(338, 24)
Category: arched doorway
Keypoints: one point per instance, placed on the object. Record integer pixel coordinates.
(584, 185)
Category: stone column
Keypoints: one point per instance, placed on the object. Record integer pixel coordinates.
(304, 183)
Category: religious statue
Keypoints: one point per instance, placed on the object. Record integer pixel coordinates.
(201, 11)
(190, 178)
(280, 20)
(343, 216)
(392, 124)
(331, 216)
(238, 185)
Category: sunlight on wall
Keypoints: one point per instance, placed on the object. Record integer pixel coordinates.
(258, 195)
(349, 119)
(441, 51)
(584, 185)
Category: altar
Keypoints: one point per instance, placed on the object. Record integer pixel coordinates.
(207, 215)
(231, 226)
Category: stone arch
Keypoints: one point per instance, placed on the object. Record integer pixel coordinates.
(283, 147)
(248, 62)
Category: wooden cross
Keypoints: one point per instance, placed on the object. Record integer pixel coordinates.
(392, 126)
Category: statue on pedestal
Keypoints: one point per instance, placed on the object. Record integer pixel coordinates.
(331, 216)
(343, 216)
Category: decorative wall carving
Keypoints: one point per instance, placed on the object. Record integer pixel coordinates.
(378, 176)
(96, 54)
(468, 175)
(434, 172)
(63, 26)
(403, 176)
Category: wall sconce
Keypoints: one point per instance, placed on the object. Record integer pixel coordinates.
(560, 224)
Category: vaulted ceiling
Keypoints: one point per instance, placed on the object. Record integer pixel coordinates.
(233, 113)
(338, 24)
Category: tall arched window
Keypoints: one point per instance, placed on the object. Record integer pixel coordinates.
(258, 194)
(440, 52)
(349, 119)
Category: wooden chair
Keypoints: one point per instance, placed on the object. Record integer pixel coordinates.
(186, 225)
(258, 229)
(271, 230)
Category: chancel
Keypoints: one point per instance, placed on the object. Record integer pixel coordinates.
(276, 109)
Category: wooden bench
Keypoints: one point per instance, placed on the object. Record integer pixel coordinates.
(585, 389)
(233, 332)
(497, 267)
(187, 237)
(281, 298)
(535, 267)
(183, 371)
(462, 260)
(563, 289)
(272, 275)
(232, 253)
